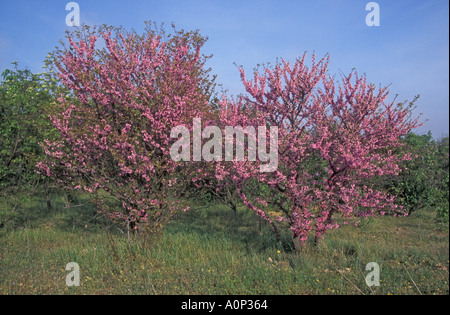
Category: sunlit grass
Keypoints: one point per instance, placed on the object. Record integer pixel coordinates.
(216, 251)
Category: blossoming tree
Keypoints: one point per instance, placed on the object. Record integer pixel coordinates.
(123, 101)
(334, 135)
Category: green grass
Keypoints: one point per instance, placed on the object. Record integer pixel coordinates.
(216, 251)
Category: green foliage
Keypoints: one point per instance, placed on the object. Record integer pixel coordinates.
(423, 181)
(24, 97)
(414, 180)
(442, 192)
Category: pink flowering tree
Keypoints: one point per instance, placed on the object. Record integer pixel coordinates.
(333, 136)
(125, 93)
(217, 177)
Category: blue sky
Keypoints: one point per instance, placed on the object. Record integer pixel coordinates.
(408, 51)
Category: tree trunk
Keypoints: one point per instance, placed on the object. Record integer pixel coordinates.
(297, 244)
(233, 207)
(69, 198)
(49, 203)
(231, 201)
(47, 196)
(316, 241)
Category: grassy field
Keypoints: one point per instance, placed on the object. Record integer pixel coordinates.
(216, 251)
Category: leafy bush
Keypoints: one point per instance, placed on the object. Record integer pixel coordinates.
(24, 97)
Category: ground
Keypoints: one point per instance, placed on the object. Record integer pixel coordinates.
(213, 250)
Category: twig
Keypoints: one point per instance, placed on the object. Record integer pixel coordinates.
(412, 280)
(121, 230)
(202, 207)
(371, 290)
(2, 224)
(68, 207)
(14, 208)
(351, 282)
